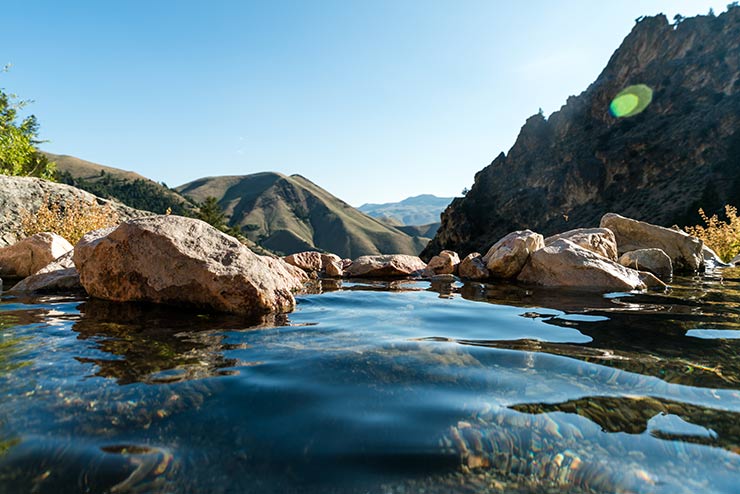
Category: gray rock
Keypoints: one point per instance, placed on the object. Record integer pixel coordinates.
(598, 240)
(32, 253)
(386, 266)
(183, 261)
(507, 257)
(653, 260)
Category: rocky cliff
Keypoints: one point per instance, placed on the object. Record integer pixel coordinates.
(681, 153)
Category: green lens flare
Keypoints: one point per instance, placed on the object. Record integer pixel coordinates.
(631, 101)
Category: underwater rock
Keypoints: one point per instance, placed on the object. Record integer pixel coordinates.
(473, 268)
(599, 240)
(446, 262)
(386, 266)
(653, 260)
(32, 253)
(183, 261)
(684, 250)
(507, 257)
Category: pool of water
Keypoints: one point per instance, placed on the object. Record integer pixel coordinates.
(378, 387)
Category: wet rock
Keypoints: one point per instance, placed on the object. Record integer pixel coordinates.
(183, 261)
(684, 250)
(446, 262)
(473, 267)
(507, 257)
(712, 259)
(598, 240)
(308, 261)
(386, 266)
(58, 276)
(563, 263)
(32, 253)
(653, 260)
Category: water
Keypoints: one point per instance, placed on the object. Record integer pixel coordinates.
(374, 387)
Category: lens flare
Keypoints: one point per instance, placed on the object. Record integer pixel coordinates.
(631, 101)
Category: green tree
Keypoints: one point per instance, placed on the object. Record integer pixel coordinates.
(210, 212)
(18, 141)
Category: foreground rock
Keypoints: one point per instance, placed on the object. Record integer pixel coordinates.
(183, 261)
(386, 266)
(684, 250)
(653, 260)
(446, 262)
(598, 240)
(32, 253)
(507, 257)
(563, 263)
(473, 267)
(59, 276)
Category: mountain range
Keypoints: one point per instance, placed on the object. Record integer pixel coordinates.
(418, 210)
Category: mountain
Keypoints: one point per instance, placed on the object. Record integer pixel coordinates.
(418, 210)
(128, 187)
(291, 214)
(681, 153)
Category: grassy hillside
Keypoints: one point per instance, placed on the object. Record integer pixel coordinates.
(128, 187)
(291, 214)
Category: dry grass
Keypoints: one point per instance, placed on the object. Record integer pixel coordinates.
(71, 220)
(722, 237)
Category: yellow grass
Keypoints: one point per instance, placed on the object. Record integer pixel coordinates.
(71, 221)
(722, 237)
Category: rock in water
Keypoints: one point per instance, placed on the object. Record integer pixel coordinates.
(563, 263)
(473, 267)
(446, 262)
(183, 261)
(507, 257)
(308, 261)
(599, 240)
(653, 260)
(387, 266)
(684, 250)
(32, 253)
(59, 276)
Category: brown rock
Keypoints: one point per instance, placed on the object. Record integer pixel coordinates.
(308, 261)
(473, 268)
(653, 260)
(598, 240)
(684, 250)
(58, 276)
(564, 263)
(183, 261)
(32, 253)
(507, 257)
(333, 269)
(386, 266)
(446, 262)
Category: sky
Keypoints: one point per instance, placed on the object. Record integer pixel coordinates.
(374, 101)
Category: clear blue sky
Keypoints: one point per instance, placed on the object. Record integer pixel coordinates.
(372, 100)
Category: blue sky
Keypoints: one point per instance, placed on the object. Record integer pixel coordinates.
(373, 100)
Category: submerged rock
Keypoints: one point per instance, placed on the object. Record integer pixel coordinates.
(177, 260)
(684, 250)
(32, 253)
(507, 257)
(473, 267)
(386, 266)
(653, 260)
(598, 240)
(59, 276)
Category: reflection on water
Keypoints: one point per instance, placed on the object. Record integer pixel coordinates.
(376, 386)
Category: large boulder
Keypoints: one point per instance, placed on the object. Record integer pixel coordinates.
(684, 250)
(446, 262)
(563, 263)
(386, 266)
(598, 240)
(183, 261)
(59, 276)
(507, 257)
(32, 253)
(473, 267)
(653, 260)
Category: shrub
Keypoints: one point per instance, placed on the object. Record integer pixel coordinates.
(722, 237)
(71, 220)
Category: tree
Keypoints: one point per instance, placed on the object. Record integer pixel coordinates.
(211, 213)
(18, 141)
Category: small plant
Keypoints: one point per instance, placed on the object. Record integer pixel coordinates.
(722, 237)
(71, 221)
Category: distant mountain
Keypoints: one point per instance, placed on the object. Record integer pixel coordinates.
(288, 214)
(130, 188)
(676, 149)
(417, 210)
(425, 231)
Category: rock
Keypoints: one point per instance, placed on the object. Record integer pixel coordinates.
(333, 269)
(446, 262)
(653, 260)
(26, 194)
(327, 258)
(473, 268)
(598, 240)
(563, 263)
(386, 266)
(183, 261)
(444, 277)
(684, 250)
(32, 253)
(346, 263)
(58, 276)
(507, 257)
(712, 259)
(308, 261)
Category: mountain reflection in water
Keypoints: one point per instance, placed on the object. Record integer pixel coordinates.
(375, 386)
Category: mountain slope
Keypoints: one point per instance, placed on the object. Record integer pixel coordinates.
(419, 210)
(291, 214)
(681, 153)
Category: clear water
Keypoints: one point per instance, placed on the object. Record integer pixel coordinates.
(378, 387)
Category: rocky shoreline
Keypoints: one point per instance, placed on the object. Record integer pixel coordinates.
(185, 262)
